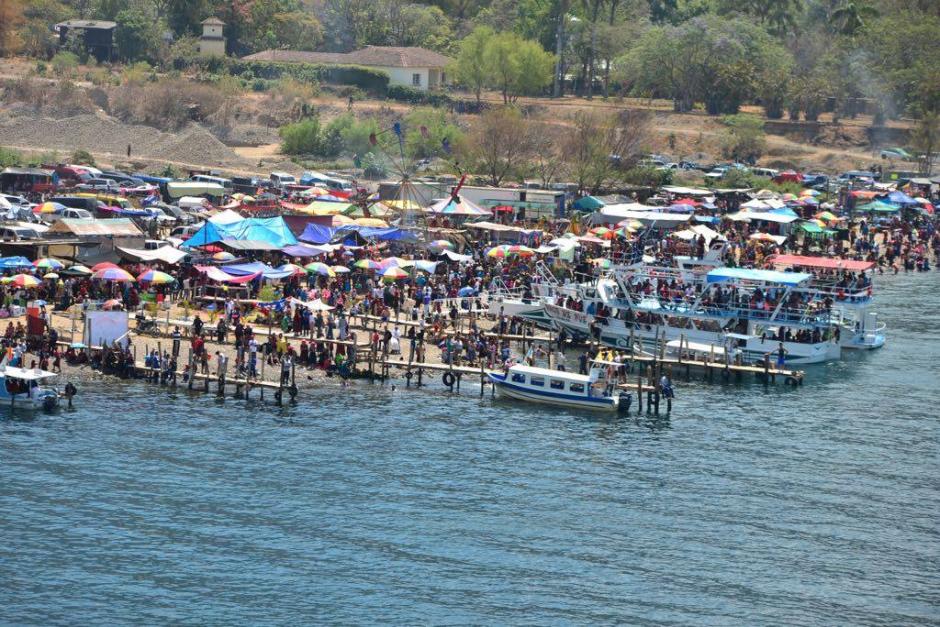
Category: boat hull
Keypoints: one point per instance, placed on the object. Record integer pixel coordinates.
(523, 393)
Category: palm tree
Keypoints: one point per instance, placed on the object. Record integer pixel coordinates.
(850, 17)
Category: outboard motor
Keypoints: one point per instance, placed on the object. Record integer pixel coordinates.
(626, 399)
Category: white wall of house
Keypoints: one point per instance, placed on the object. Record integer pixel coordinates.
(427, 78)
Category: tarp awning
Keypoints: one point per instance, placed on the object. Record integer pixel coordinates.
(827, 263)
(166, 254)
(765, 276)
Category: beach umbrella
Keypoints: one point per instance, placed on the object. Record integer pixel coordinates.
(223, 256)
(114, 303)
(762, 237)
(47, 263)
(293, 268)
(440, 245)
(48, 207)
(625, 231)
(367, 264)
(50, 275)
(521, 251)
(602, 232)
(394, 273)
(828, 216)
(25, 280)
(78, 269)
(104, 265)
(498, 252)
(340, 269)
(114, 274)
(155, 277)
(6, 280)
(318, 267)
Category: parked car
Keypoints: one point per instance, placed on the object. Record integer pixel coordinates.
(18, 233)
(99, 185)
(80, 202)
(76, 214)
(788, 176)
(16, 201)
(897, 153)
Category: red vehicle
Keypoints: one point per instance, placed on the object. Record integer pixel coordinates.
(788, 176)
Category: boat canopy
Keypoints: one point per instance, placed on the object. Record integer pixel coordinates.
(822, 262)
(765, 276)
(26, 374)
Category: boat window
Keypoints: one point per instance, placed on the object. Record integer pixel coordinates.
(577, 388)
(518, 378)
(557, 385)
(539, 381)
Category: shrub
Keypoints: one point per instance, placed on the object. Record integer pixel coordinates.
(372, 167)
(64, 63)
(41, 68)
(404, 93)
(9, 158)
(82, 157)
(648, 177)
(301, 137)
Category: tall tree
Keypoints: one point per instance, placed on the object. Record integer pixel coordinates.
(851, 16)
(598, 147)
(501, 144)
(470, 67)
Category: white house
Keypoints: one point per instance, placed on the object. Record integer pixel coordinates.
(414, 67)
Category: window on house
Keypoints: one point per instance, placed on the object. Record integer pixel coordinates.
(416, 80)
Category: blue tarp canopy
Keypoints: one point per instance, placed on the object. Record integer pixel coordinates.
(9, 263)
(900, 198)
(245, 269)
(319, 234)
(274, 231)
(747, 274)
(300, 250)
(587, 203)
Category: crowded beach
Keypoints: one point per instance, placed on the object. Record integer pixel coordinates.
(295, 283)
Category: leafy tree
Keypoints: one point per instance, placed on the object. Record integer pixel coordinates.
(136, 36)
(425, 129)
(282, 24)
(83, 157)
(39, 18)
(851, 16)
(470, 68)
(743, 139)
(925, 140)
(517, 66)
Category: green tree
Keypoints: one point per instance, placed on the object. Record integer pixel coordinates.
(301, 138)
(470, 68)
(925, 140)
(136, 36)
(501, 145)
(743, 139)
(516, 66)
(851, 16)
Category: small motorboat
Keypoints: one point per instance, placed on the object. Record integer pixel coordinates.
(28, 387)
(558, 387)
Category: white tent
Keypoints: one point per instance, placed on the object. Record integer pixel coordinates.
(226, 217)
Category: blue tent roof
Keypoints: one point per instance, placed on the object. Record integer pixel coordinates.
(244, 269)
(319, 234)
(900, 198)
(768, 276)
(7, 263)
(273, 231)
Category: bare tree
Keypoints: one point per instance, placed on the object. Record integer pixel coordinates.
(501, 143)
(598, 148)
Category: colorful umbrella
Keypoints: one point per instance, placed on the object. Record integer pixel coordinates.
(114, 274)
(104, 265)
(47, 263)
(440, 245)
(6, 280)
(25, 280)
(294, 268)
(318, 267)
(394, 273)
(223, 256)
(114, 303)
(340, 269)
(390, 262)
(50, 275)
(367, 264)
(602, 232)
(48, 207)
(498, 252)
(828, 216)
(79, 269)
(155, 277)
(522, 251)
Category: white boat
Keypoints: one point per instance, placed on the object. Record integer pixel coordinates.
(28, 387)
(557, 387)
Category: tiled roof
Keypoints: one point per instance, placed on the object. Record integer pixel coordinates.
(382, 56)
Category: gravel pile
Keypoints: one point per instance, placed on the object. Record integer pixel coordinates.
(95, 133)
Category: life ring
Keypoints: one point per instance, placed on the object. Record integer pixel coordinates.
(408, 375)
(449, 379)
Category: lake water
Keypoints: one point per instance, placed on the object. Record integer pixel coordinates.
(748, 506)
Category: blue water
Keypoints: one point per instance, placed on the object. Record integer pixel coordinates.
(747, 506)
